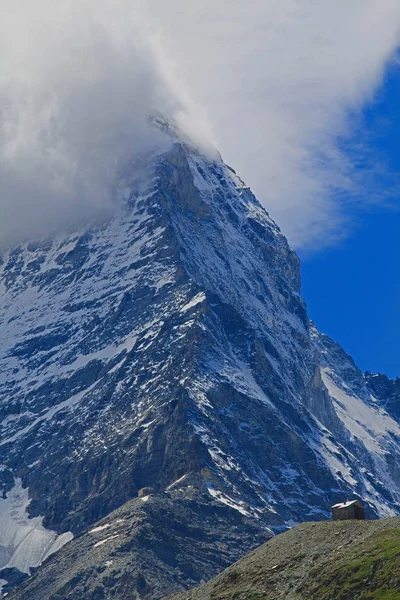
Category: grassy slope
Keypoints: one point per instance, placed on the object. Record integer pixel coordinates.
(315, 561)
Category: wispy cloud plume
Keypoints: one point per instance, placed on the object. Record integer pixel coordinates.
(283, 83)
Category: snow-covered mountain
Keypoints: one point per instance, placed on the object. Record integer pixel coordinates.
(170, 345)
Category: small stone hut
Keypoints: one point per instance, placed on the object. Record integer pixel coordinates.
(345, 511)
(146, 491)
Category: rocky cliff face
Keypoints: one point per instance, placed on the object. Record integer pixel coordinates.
(386, 391)
(171, 341)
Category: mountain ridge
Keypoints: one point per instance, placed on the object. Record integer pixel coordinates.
(172, 340)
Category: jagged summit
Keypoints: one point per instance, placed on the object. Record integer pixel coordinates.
(169, 128)
(170, 345)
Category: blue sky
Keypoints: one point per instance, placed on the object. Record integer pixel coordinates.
(353, 288)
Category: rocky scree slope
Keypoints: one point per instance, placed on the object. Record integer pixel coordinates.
(347, 560)
(172, 340)
(149, 547)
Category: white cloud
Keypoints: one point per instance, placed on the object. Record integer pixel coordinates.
(282, 81)
(78, 80)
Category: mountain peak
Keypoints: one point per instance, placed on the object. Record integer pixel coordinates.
(170, 346)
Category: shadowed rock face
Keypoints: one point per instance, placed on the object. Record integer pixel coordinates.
(386, 391)
(172, 340)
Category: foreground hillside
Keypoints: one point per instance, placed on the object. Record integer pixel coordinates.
(315, 561)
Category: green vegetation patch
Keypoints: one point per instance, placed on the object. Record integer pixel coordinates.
(371, 571)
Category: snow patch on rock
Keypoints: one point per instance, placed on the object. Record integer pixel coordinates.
(100, 528)
(112, 537)
(24, 542)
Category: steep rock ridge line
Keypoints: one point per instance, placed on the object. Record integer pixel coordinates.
(172, 342)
